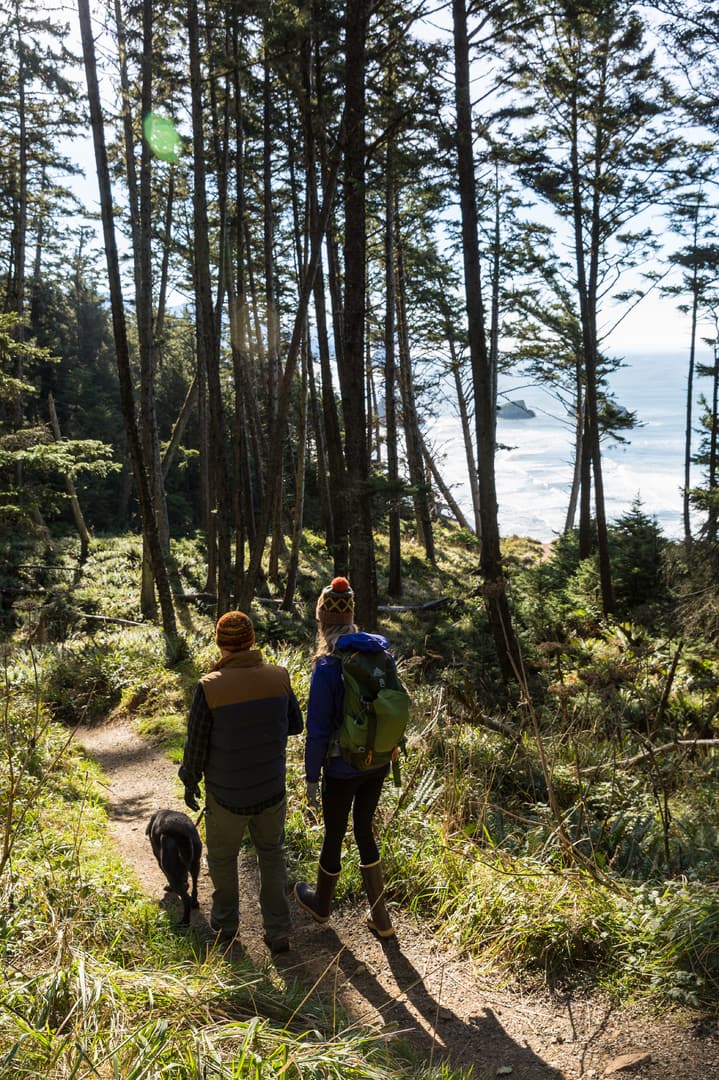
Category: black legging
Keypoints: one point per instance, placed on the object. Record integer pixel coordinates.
(361, 795)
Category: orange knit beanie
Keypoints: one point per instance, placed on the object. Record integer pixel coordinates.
(336, 603)
(234, 631)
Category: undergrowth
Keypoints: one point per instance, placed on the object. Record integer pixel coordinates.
(566, 832)
(98, 981)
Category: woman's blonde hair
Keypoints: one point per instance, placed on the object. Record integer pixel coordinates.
(327, 637)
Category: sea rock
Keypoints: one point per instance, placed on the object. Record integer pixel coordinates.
(514, 410)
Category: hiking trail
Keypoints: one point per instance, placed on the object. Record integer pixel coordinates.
(412, 987)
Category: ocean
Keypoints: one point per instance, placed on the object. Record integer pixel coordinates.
(534, 474)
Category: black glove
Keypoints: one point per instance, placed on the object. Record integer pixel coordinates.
(192, 794)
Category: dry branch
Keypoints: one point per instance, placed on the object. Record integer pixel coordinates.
(498, 726)
(652, 752)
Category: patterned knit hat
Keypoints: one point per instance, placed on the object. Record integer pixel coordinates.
(336, 604)
(234, 631)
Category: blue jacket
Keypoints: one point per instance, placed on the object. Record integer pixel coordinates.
(325, 706)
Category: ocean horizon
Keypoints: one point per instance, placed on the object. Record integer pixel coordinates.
(534, 466)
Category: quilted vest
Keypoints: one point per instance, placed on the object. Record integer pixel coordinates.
(248, 699)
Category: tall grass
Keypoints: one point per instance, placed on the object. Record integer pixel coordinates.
(96, 982)
(534, 847)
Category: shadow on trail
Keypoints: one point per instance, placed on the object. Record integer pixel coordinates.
(119, 758)
(416, 1015)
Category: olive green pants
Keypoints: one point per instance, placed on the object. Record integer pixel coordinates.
(225, 832)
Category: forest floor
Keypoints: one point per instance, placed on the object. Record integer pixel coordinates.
(436, 1001)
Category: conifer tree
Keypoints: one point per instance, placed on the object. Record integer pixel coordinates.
(122, 351)
(483, 377)
(592, 142)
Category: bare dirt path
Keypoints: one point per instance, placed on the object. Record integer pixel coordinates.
(440, 1003)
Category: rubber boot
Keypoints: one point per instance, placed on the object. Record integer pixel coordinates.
(318, 901)
(378, 919)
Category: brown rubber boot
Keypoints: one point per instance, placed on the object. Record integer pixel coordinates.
(318, 901)
(378, 919)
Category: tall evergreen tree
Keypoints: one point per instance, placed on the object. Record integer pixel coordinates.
(351, 366)
(147, 511)
(484, 378)
(592, 142)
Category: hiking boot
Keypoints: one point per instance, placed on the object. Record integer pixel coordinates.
(277, 945)
(318, 901)
(378, 919)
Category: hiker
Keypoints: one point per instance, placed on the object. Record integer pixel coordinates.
(345, 787)
(241, 714)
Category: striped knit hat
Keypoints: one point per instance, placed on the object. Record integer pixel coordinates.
(336, 604)
(234, 631)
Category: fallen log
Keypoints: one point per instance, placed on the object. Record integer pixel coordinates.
(498, 726)
(110, 618)
(192, 596)
(430, 605)
(654, 751)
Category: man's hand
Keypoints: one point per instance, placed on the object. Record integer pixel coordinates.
(192, 794)
(313, 797)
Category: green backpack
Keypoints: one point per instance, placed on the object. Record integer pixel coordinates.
(376, 710)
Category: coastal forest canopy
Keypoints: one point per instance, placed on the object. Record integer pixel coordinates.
(358, 211)
(317, 225)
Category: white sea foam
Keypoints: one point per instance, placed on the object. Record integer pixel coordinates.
(534, 474)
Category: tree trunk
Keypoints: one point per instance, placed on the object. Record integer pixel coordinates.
(207, 343)
(77, 516)
(159, 328)
(140, 212)
(415, 462)
(587, 290)
(713, 456)
(327, 463)
(16, 285)
(690, 393)
(268, 234)
(394, 580)
(338, 538)
(179, 427)
(466, 437)
(301, 449)
(576, 486)
(494, 587)
(351, 368)
(446, 493)
(120, 330)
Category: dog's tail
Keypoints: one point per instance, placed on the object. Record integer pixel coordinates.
(181, 846)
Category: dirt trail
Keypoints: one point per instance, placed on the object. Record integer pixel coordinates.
(442, 1005)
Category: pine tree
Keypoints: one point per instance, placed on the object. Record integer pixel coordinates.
(592, 142)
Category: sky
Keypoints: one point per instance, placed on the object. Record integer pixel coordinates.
(654, 324)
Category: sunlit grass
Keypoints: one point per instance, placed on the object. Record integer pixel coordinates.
(97, 982)
(612, 884)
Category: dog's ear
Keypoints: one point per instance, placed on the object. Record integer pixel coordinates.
(150, 823)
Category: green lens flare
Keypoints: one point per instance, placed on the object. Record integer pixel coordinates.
(162, 137)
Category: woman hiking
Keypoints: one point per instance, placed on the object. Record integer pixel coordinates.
(345, 787)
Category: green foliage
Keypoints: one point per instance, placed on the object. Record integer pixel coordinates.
(563, 594)
(84, 682)
(33, 465)
(637, 547)
(543, 852)
(692, 576)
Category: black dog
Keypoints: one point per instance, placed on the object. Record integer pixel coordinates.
(177, 847)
